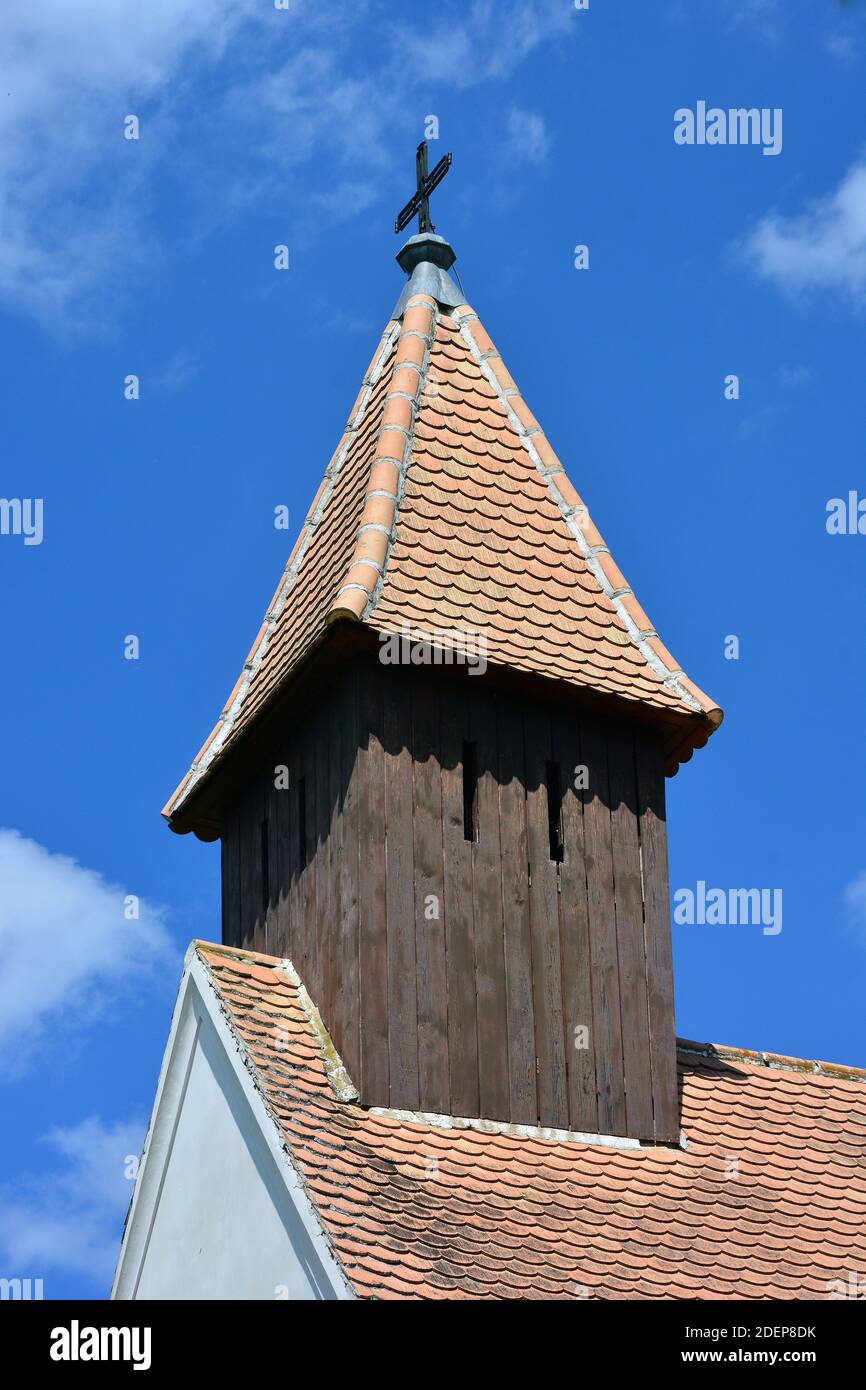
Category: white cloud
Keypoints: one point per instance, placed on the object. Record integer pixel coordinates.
(70, 200)
(70, 1218)
(855, 905)
(66, 946)
(765, 17)
(493, 38)
(527, 136)
(823, 247)
(76, 197)
(180, 368)
(842, 45)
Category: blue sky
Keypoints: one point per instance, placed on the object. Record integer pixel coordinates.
(155, 257)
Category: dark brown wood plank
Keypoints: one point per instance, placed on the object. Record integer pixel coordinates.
(607, 1030)
(231, 881)
(324, 882)
(523, 1090)
(348, 870)
(248, 828)
(402, 982)
(307, 898)
(332, 907)
(258, 820)
(628, 903)
(281, 823)
(574, 936)
(432, 980)
(544, 918)
(295, 763)
(657, 933)
(459, 929)
(372, 924)
(488, 917)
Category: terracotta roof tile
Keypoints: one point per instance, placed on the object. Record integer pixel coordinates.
(445, 506)
(420, 1210)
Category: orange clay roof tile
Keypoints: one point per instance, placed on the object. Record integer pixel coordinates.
(445, 507)
(766, 1200)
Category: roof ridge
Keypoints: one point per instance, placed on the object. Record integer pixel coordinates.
(595, 552)
(387, 481)
(776, 1061)
(233, 704)
(773, 1060)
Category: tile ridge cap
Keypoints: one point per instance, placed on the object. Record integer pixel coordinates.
(775, 1061)
(221, 732)
(671, 676)
(358, 595)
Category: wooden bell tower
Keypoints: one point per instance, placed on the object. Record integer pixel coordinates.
(439, 780)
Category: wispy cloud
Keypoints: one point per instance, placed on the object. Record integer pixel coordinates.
(174, 373)
(766, 17)
(76, 197)
(70, 184)
(821, 248)
(843, 45)
(67, 946)
(528, 139)
(69, 1218)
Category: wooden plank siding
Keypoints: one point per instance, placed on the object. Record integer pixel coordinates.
(458, 913)
(520, 1012)
(400, 895)
(575, 934)
(509, 960)
(657, 933)
(488, 922)
(375, 1076)
(544, 917)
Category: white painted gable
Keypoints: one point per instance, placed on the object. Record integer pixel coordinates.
(218, 1210)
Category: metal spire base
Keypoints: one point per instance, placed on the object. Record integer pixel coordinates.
(426, 259)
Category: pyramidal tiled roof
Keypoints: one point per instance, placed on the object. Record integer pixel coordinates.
(766, 1199)
(445, 508)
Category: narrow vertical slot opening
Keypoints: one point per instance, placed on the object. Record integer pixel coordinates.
(554, 811)
(470, 792)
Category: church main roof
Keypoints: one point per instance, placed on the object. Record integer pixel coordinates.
(445, 510)
(765, 1198)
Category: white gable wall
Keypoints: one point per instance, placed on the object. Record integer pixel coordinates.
(218, 1210)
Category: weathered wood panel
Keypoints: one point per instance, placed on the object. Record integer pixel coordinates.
(574, 935)
(657, 934)
(372, 916)
(295, 765)
(250, 860)
(472, 1012)
(488, 918)
(348, 1026)
(459, 925)
(432, 979)
(607, 1030)
(628, 905)
(323, 866)
(400, 896)
(231, 882)
(522, 1079)
(544, 917)
(281, 831)
(307, 829)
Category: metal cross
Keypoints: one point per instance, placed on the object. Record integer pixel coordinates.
(420, 201)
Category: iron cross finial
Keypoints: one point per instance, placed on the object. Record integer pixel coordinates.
(420, 201)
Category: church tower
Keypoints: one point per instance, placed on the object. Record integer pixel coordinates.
(439, 779)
